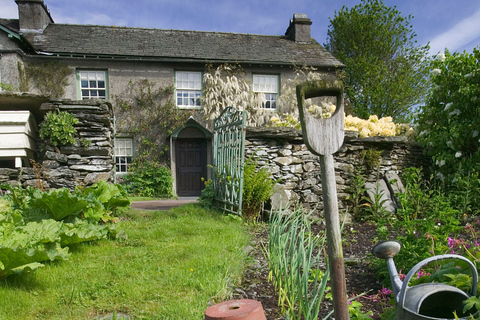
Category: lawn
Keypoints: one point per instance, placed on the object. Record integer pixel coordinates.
(162, 265)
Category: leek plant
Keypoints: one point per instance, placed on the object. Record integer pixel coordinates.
(294, 254)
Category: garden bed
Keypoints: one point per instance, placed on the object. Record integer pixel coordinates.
(360, 277)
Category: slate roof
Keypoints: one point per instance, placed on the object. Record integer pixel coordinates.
(177, 45)
(11, 24)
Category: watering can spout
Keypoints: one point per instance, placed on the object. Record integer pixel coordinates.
(387, 250)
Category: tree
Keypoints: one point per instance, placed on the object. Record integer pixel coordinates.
(385, 73)
(448, 124)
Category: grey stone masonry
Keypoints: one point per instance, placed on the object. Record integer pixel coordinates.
(85, 162)
(297, 170)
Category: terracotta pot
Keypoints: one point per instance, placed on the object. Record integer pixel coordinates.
(244, 309)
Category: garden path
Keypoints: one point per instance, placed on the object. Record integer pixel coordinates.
(162, 204)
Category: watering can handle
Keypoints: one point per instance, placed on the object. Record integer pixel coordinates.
(418, 266)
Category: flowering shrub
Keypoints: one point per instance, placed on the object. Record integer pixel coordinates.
(375, 127)
(366, 128)
(225, 87)
(448, 123)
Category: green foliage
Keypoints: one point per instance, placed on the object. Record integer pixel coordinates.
(258, 186)
(375, 208)
(7, 87)
(150, 113)
(448, 123)
(426, 216)
(24, 80)
(58, 128)
(50, 78)
(60, 203)
(148, 179)
(167, 265)
(293, 251)
(354, 309)
(371, 158)
(471, 303)
(385, 71)
(208, 195)
(356, 194)
(36, 226)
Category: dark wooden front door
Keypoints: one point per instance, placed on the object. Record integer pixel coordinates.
(191, 164)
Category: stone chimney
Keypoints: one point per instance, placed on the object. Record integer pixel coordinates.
(33, 16)
(299, 28)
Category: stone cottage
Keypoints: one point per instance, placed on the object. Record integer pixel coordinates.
(102, 61)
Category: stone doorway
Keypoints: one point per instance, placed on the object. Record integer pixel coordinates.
(191, 166)
(191, 153)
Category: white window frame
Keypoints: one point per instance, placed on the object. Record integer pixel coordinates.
(188, 89)
(123, 154)
(92, 84)
(269, 86)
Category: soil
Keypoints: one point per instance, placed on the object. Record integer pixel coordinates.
(360, 277)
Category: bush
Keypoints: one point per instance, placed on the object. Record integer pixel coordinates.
(425, 218)
(448, 123)
(207, 197)
(149, 179)
(58, 127)
(37, 226)
(258, 186)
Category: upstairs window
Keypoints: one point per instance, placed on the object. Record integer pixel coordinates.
(188, 89)
(123, 154)
(93, 84)
(268, 86)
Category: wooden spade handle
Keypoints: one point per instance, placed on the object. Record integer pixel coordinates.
(322, 136)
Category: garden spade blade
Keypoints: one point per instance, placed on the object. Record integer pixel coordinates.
(323, 137)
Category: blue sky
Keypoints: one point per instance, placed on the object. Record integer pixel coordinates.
(452, 24)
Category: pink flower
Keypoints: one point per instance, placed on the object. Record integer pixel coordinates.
(451, 242)
(385, 291)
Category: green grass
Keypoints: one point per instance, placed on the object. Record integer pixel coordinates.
(165, 265)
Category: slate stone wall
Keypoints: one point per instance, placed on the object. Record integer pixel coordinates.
(87, 161)
(298, 170)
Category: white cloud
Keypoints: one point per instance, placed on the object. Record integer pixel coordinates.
(458, 36)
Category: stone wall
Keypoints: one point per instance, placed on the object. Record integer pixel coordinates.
(298, 170)
(87, 161)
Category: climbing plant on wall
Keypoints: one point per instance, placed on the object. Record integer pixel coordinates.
(50, 78)
(148, 112)
(227, 86)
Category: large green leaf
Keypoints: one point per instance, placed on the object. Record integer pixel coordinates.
(61, 203)
(22, 269)
(8, 214)
(34, 242)
(103, 191)
(82, 231)
(16, 256)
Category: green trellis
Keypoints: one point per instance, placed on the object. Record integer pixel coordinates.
(228, 159)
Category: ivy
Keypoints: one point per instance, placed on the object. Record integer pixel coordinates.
(148, 112)
(7, 87)
(58, 127)
(50, 78)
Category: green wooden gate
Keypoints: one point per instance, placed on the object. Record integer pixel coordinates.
(228, 159)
